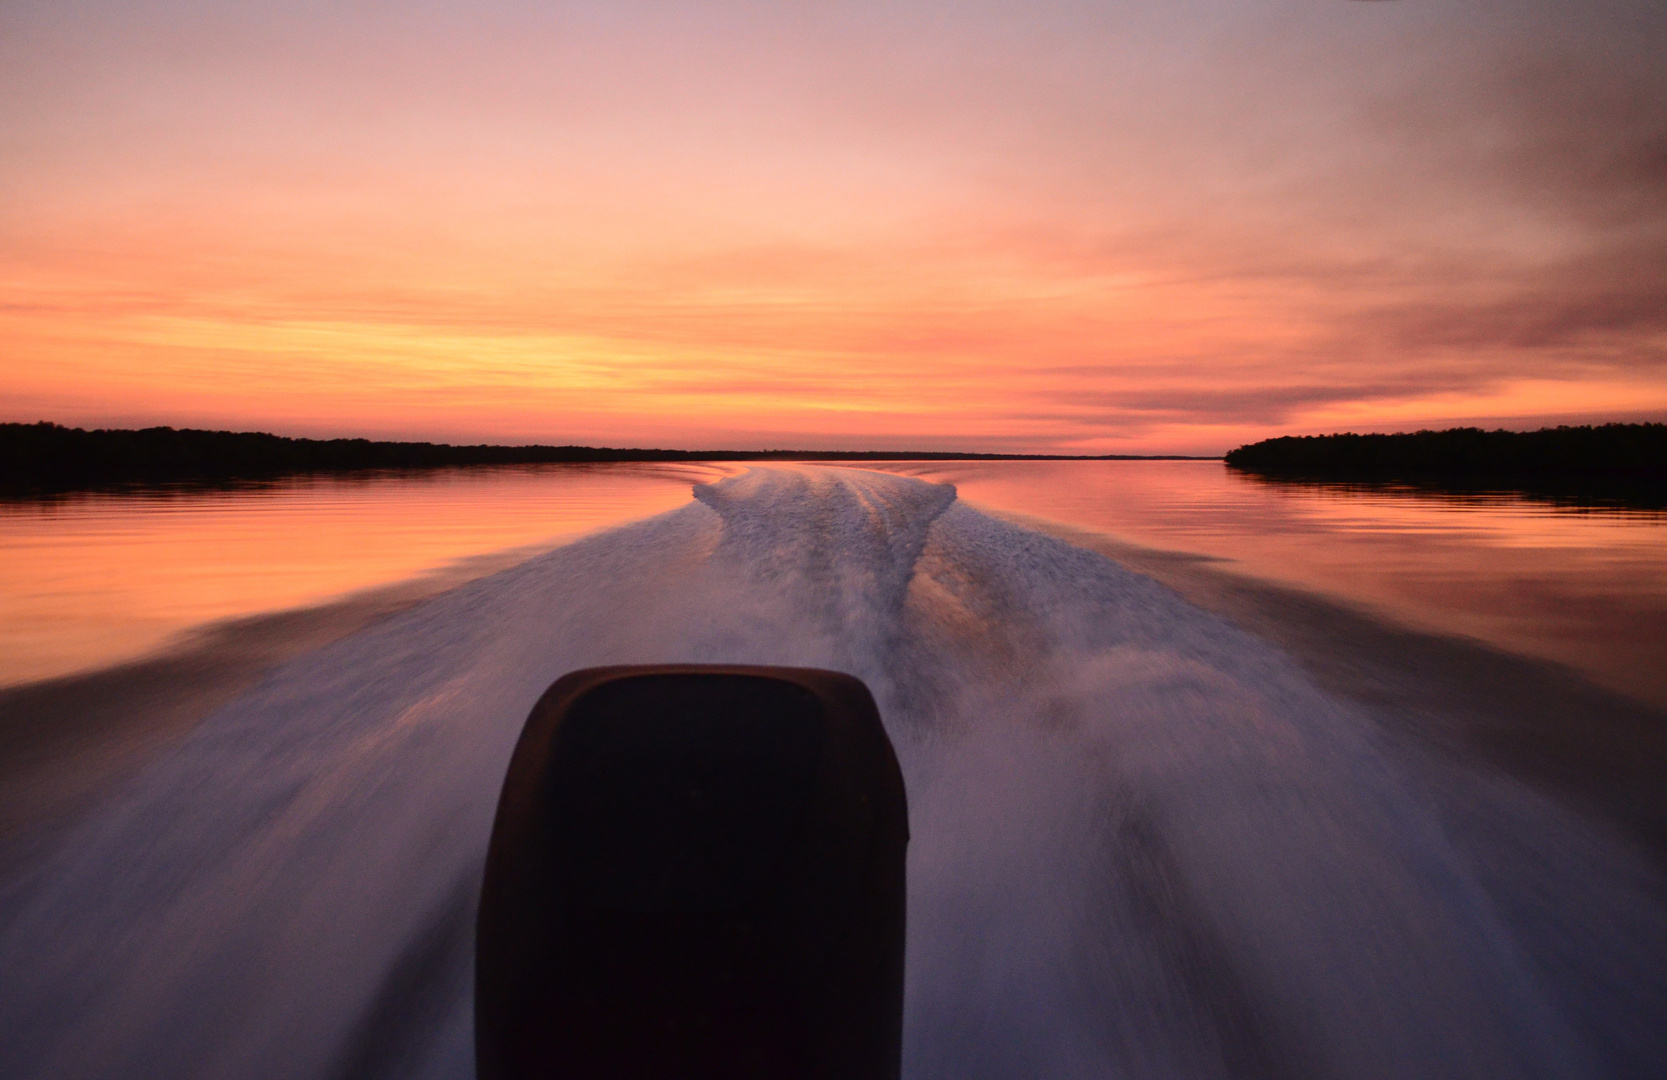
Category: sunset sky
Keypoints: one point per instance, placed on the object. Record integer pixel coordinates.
(1105, 227)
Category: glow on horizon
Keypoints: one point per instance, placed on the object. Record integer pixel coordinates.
(1072, 227)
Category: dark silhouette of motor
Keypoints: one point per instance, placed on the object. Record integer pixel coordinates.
(696, 871)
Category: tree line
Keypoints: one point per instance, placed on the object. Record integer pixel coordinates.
(48, 457)
(1612, 452)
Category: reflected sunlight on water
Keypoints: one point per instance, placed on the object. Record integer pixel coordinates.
(96, 579)
(1581, 586)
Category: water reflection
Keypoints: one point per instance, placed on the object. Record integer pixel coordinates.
(91, 579)
(1582, 585)
(87, 580)
(1596, 495)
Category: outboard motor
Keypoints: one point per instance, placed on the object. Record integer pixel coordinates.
(696, 872)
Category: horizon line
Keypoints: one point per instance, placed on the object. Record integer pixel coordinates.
(703, 454)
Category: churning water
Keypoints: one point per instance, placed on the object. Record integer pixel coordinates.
(1145, 844)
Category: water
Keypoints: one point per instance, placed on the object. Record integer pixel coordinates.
(1582, 586)
(98, 579)
(1145, 843)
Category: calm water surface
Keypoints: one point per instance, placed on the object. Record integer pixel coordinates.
(97, 579)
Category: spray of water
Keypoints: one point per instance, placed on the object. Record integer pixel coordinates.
(1144, 843)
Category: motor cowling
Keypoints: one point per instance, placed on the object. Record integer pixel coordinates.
(696, 871)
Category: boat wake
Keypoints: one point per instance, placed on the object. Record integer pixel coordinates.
(1145, 844)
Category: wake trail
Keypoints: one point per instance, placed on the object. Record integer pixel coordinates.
(1144, 843)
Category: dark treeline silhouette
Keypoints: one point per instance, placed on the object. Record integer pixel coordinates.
(1561, 457)
(47, 457)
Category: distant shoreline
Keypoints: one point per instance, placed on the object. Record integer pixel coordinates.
(1621, 461)
(48, 458)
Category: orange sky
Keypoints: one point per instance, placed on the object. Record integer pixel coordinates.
(1085, 227)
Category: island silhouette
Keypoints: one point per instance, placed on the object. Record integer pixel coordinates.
(45, 457)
